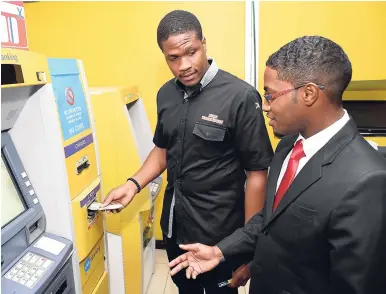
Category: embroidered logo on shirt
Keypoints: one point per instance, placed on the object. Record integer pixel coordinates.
(257, 105)
(212, 118)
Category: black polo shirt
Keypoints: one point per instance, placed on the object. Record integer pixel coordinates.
(211, 138)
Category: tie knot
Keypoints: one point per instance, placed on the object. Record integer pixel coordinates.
(298, 152)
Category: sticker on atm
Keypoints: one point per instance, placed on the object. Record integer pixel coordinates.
(78, 145)
(89, 260)
(71, 101)
(87, 265)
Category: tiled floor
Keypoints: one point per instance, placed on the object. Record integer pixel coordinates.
(161, 283)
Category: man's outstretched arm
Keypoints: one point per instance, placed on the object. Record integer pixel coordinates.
(243, 240)
(200, 258)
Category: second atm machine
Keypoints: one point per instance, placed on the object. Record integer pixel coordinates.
(124, 141)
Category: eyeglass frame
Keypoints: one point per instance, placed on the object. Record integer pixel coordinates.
(273, 96)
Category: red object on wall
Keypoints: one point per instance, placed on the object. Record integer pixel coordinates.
(12, 24)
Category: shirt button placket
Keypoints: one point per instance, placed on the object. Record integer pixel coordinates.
(180, 140)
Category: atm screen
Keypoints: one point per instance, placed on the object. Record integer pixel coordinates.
(11, 202)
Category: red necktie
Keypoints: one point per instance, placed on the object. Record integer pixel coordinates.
(293, 163)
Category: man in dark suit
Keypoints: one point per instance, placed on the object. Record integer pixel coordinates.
(323, 226)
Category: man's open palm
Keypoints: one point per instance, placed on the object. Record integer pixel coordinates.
(199, 259)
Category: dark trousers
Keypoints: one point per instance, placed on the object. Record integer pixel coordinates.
(208, 281)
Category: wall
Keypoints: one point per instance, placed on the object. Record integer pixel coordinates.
(117, 41)
(359, 27)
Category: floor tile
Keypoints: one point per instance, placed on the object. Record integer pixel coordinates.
(158, 280)
(161, 256)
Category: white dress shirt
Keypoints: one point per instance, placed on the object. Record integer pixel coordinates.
(314, 144)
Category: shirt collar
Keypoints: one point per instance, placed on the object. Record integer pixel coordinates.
(316, 142)
(206, 79)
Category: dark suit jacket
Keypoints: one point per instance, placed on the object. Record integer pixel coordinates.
(328, 234)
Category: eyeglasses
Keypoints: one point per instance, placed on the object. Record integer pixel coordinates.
(270, 97)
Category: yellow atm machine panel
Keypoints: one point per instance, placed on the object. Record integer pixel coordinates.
(124, 141)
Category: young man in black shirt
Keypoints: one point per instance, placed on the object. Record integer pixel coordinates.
(212, 139)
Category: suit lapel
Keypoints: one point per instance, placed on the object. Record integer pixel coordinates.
(274, 173)
(310, 173)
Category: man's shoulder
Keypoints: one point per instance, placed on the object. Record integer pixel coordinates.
(364, 155)
(224, 77)
(240, 90)
(167, 88)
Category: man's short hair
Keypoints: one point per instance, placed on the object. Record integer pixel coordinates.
(177, 22)
(313, 59)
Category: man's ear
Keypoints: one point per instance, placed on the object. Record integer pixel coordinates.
(204, 43)
(310, 94)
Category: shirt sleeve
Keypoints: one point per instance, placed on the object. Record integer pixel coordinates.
(243, 240)
(250, 133)
(159, 139)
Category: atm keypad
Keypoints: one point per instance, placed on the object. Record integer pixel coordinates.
(19, 266)
(28, 256)
(9, 275)
(40, 261)
(47, 263)
(29, 269)
(16, 278)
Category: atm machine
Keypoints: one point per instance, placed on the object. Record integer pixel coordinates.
(124, 140)
(32, 260)
(53, 135)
